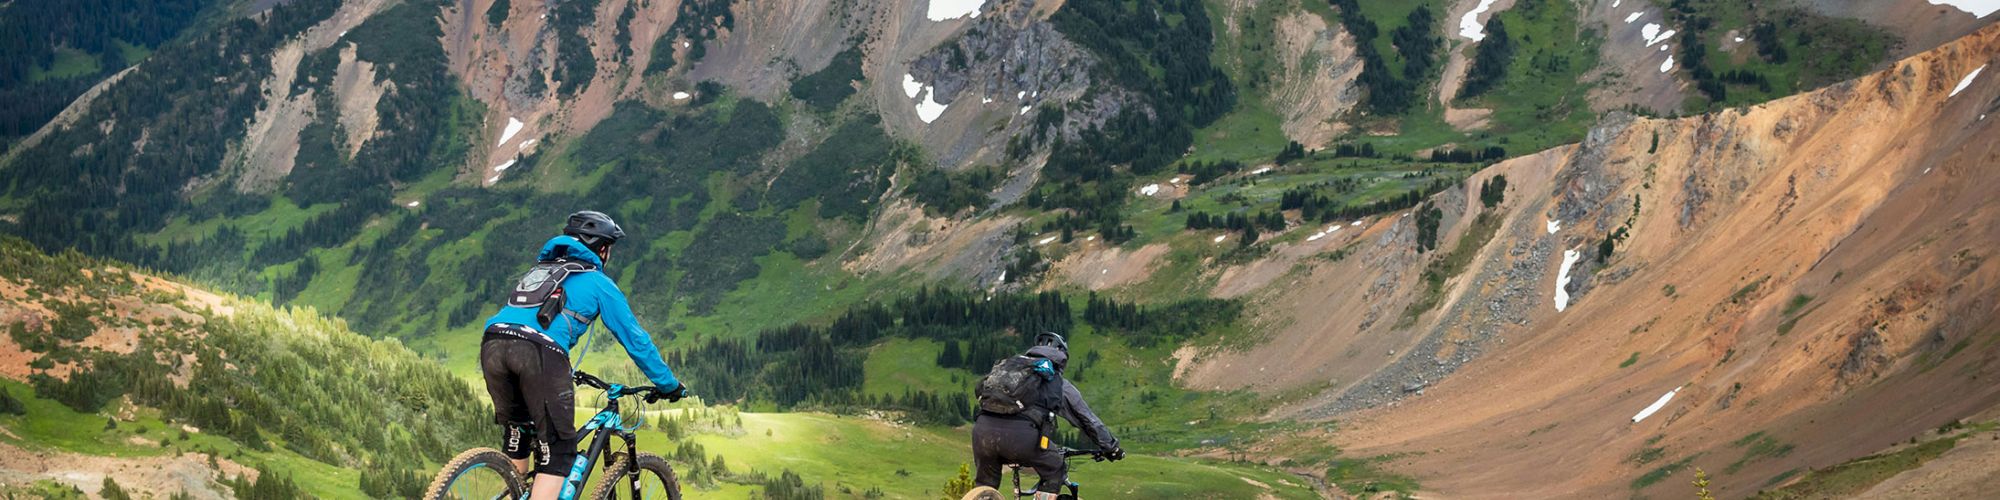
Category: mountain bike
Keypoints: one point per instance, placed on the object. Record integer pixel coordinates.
(487, 474)
(988, 493)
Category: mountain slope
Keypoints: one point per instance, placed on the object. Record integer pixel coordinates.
(125, 372)
(1802, 271)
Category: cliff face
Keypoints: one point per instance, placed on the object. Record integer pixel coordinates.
(1811, 268)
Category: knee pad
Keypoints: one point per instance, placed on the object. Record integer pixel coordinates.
(554, 455)
(517, 440)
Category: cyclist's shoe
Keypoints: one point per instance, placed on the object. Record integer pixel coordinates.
(671, 396)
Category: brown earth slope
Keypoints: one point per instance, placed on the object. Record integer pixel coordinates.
(1810, 269)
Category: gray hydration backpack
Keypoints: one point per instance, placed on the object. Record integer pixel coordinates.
(1020, 384)
(541, 289)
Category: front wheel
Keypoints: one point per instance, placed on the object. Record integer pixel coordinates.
(656, 480)
(478, 473)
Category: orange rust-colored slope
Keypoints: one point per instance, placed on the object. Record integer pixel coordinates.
(1857, 220)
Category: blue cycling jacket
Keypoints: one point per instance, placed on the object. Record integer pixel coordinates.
(593, 295)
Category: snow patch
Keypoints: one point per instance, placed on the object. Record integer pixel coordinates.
(1002, 279)
(1260, 171)
(1218, 239)
(1978, 8)
(928, 109)
(1021, 95)
(1614, 3)
(413, 204)
(1024, 109)
(1046, 241)
(941, 10)
(1090, 238)
(529, 144)
(1649, 31)
(1150, 189)
(1967, 81)
(1651, 40)
(1469, 27)
(1667, 66)
(985, 100)
(1316, 236)
(493, 179)
(1656, 406)
(1562, 278)
(343, 34)
(503, 167)
(1357, 223)
(513, 127)
(1633, 17)
(1739, 39)
(1555, 225)
(910, 86)
(681, 96)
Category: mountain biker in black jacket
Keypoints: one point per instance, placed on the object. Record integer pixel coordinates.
(1021, 439)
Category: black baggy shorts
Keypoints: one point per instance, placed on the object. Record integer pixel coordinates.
(532, 396)
(998, 441)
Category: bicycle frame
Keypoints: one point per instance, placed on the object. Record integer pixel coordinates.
(1018, 492)
(601, 428)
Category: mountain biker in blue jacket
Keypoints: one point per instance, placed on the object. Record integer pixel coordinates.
(526, 360)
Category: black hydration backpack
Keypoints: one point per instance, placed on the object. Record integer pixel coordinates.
(541, 288)
(1018, 384)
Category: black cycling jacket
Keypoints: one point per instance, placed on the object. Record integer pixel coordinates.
(1072, 407)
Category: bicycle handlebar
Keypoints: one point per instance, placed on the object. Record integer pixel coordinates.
(588, 380)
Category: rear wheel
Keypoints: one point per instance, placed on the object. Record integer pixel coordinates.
(983, 493)
(656, 480)
(478, 473)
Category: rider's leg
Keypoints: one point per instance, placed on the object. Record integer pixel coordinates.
(1053, 472)
(500, 361)
(547, 487)
(552, 400)
(988, 450)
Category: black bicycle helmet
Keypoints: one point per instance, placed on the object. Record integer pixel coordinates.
(595, 229)
(1053, 340)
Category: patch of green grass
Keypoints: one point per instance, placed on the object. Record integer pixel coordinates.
(1646, 456)
(1798, 302)
(1855, 476)
(911, 462)
(1747, 290)
(68, 63)
(1365, 477)
(1630, 360)
(899, 365)
(1757, 446)
(1654, 476)
(132, 53)
(1251, 133)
